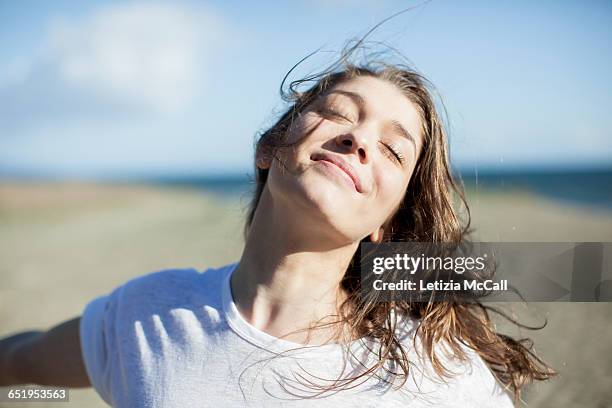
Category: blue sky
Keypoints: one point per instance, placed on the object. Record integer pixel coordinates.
(118, 88)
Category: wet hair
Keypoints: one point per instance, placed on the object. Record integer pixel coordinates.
(433, 209)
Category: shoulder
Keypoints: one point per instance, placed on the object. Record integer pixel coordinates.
(160, 281)
(122, 331)
(470, 382)
(160, 291)
(172, 285)
(477, 383)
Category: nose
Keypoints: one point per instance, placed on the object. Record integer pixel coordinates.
(349, 143)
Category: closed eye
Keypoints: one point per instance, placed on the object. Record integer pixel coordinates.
(393, 152)
(332, 113)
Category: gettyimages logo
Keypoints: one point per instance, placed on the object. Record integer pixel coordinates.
(487, 271)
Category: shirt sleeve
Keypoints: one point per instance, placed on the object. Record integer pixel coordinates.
(95, 328)
(107, 342)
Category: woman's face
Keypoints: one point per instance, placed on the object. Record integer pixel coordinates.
(355, 149)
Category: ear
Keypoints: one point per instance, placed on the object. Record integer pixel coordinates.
(263, 156)
(377, 236)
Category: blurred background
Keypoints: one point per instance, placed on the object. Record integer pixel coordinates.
(127, 131)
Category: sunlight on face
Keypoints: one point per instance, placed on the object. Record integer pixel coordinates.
(356, 148)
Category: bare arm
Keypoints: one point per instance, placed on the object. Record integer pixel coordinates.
(46, 358)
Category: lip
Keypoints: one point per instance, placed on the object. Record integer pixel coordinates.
(343, 165)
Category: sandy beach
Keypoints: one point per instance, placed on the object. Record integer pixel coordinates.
(64, 244)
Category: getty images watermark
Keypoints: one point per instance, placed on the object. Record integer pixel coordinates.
(488, 271)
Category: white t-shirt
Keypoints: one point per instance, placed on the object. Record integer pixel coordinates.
(175, 338)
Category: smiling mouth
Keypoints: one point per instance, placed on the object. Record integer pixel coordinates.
(338, 164)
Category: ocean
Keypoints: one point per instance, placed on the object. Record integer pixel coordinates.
(585, 187)
(591, 188)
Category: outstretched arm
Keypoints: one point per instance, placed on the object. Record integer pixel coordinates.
(45, 358)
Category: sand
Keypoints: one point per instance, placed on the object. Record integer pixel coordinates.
(64, 244)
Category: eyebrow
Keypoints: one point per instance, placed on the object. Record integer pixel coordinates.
(358, 99)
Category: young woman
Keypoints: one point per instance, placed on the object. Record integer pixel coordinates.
(361, 156)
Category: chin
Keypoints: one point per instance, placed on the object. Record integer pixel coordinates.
(315, 198)
(326, 198)
(336, 208)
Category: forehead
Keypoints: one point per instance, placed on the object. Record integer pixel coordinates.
(382, 100)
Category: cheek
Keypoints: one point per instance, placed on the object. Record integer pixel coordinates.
(302, 137)
(390, 191)
(302, 128)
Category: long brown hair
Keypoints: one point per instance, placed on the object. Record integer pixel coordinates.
(433, 209)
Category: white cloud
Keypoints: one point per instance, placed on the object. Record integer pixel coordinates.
(143, 57)
(148, 54)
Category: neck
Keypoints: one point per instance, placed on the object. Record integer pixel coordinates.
(289, 276)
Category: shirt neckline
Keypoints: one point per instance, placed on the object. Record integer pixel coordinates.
(258, 337)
